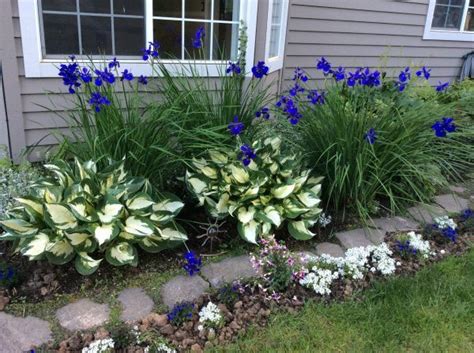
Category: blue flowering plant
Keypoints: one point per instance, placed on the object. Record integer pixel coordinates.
(193, 263)
(181, 313)
(8, 275)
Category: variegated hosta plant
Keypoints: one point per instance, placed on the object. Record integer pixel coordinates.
(81, 213)
(272, 189)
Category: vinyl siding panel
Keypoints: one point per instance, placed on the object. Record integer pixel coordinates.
(386, 34)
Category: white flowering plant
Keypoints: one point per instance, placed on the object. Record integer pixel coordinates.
(412, 244)
(100, 346)
(210, 316)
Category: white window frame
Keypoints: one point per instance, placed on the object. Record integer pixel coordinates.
(276, 63)
(36, 66)
(444, 34)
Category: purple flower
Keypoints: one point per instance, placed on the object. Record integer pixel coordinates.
(233, 68)
(198, 37)
(143, 80)
(450, 233)
(246, 154)
(114, 63)
(370, 79)
(193, 263)
(323, 65)
(151, 51)
(403, 79)
(300, 75)
(97, 100)
(441, 128)
(260, 70)
(354, 78)
(442, 87)
(86, 75)
(339, 74)
(295, 90)
(466, 214)
(70, 75)
(236, 127)
(290, 109)
(105, 75)
(264, 113)
(315, 97)
(370, 136)
(126, 75)
(425, 72)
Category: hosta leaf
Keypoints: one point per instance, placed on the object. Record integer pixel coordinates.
(249, 231)
(161, 217)
(31, 204)
(85, 264)
(293, 209)
(52, 194)
(139, 226)
(283, 191)
(239, 174)
(9, 236)
(140, 201)
(35, 247)
(170, 203)
(60, 252)
(245, 215)
(173, 234)
(273, 215)
(60, 216)
(209, 172)
(314, 181)
(299, 230)
(316, 189)
(105, 233)
(222, 205)
(121, 254)
(19, 226)
(110, 212)
(196, 184)
(218, 157)
(155, 244)
(266, 228)
(309, 199)
(82, 241)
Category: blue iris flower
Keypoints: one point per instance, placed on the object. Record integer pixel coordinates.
(264, 113)
(424, 72)
(70, 75)
(405, 248)
(450, 233)
(143, 80)
(441, 128)
(198, 37)
(151, 51)
(295, 90)
(233, 68)
(114, 63)
(442, 87)
(403, 79)
(126, 75)
(315, 97)
(260, 70)
(193, 263)
(246, 154)
(236, 127)
(300, 75)
(97, 101)
(105, 75)
(339, 74)
(323, 65)
(290, 109)
(370, 136)
(86, 75)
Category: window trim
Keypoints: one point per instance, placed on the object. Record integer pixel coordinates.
(36, 66)
(276, 63)
(439, 34)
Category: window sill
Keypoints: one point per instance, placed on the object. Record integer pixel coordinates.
(449, 35)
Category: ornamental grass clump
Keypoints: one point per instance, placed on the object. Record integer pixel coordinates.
(85, 214)
(259, 186)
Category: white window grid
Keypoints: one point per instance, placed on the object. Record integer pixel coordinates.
(459, 34)
(274, 58)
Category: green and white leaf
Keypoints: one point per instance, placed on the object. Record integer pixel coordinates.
(105, 233)
(309, 199)
(299, 230)
(173, 234)
(283, 191)
(110, 212)
(218, 157)
(140, 201)
(122, 253)
(139, 226)
(31, 204)
(249, 231)
(60, 252)
(85, 264)
(60, 216)
(19, 226)
(35, 247)
(273, 215)
(245, 215)
(239, 174)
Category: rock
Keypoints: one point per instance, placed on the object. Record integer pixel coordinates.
(82, 315)
(196, 348)
(396, 224)
(452, 203)
(44, 291)
(4, 300)
(376, 236)
(238, 305)
(101, 333)
(187, 342)
(19, 334)
(167, 330)
(48, 278)
(353, 238)
(135, 303)
(331, 249)
(183, 288)
(457, 189)
(156, 320)
(228, 270)
(234, 326)
(426, 213)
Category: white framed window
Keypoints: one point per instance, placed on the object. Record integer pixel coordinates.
(276, 33)
(450, 20)
(53, 29)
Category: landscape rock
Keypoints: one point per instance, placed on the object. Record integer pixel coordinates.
(183, 288)
(331, 249)
(228, 270)
(19, 334)
(136, 304)
(82, 315)
(457, 189)
(353, 238)
(426, 213)
(396, 224)
(376, 236)
(452, 203)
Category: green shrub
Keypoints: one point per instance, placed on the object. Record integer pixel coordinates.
(81, 213)
(270, 191)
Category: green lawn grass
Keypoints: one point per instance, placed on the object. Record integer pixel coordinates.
(430, 312)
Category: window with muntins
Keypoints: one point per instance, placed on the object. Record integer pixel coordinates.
(450, 20)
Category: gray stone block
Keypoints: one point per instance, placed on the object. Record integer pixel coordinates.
(452, 203)
(82, 315)
(426, 213)
(457, 189)
(331, 249)
(183, 288)
(228, 270)
(396, 224)
(18, 334)
(376, 236)
(136, 304)
(353, 238)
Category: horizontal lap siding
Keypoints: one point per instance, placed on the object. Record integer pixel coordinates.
(377, 33)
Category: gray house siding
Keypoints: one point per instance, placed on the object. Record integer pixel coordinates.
(378, 33)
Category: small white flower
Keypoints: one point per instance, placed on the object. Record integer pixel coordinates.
(398, 263)
(100, 346)
(200, 327)
(210, 315)
(442, 252)
(373, 269)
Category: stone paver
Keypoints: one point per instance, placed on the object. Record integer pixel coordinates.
(228, 270)
(82, 315)
(376, 236)
(18, 334)
(136, 304)
(457, 189)
(353, 238)
(183, 288)
(452, 203)
(396, 224)
(425, 214)
(329, 248)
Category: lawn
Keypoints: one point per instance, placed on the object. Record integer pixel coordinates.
(430, 312)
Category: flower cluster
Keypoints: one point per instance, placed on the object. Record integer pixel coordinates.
(210, 316)
(260, 70)
(229, 293)
(323, 65)
(97, 101)
(236, 127)
(70, 75)
(126, 75)
(104, 76)
(246, 154)
(442, 87)
(161, 348)
(370, 136)
(426, 73)
(447, 226)
(180, 313)
(403, 79)
(193, 263)
(364, 77)
(324, 220)
(198, 37)
(233, 68)
(300, 75)
(100, 346)
(441, 128)
(467, 214)
(315, 97)
(319, 280)
(289, 107)
(151, 51)
(264, 113)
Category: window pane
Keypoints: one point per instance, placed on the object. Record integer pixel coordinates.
(129, 7)
(274, 49)
(58, 5)
(472, 3)
(225, 41)
(96, 35)
(168, 34)
(60, 34)
(190, 29)
(198, 9)
(95, 6)
(129, 36)
(450, 2)
(167, 8)
(226, 10)
(448, 17)
(469, 20)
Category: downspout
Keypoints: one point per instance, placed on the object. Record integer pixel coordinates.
(5, 138)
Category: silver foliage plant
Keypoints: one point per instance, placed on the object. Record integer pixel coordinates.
(270, 191)
(82, 214)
